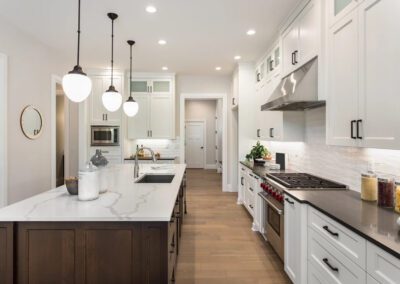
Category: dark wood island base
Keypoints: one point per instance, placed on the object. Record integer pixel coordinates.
(91, 252)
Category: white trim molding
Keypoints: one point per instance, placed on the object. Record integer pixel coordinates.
(206, 96)
(3, 131)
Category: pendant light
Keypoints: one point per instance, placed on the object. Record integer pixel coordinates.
(76, 85)
(131, 107)
(112, 100)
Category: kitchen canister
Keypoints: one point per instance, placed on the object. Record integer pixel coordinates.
(369, 186)
(386, 192)
(89, 183)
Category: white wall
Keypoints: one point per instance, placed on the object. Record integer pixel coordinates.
(343, 164)
(30, 66)
(204, 110)
(3, 129)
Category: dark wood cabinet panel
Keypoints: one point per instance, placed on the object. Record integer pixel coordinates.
(6, 253)
(108, 256)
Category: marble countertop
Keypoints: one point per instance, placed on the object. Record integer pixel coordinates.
(146, 158)
(125, 201)
(377, 225)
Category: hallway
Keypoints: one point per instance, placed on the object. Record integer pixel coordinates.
(218, 245)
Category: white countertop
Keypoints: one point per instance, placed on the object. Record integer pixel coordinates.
(125, 201)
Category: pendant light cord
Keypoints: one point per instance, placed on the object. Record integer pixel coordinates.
(130, 76)
(112, 51)
(79, 31)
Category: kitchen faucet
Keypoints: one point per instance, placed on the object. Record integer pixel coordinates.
(153, 156)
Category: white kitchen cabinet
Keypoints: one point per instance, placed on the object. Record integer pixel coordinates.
(242, 183)
(301, 40)
(382, 266)
(295, 238)
(362, 102)
(342, 103)
(379, 45)
(371, 280)
(235, 89)
(314, 276)
(156, 116)
(337, 9)
(97, 112)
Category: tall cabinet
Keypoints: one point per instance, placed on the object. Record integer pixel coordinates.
(156, 98)
(363, 100)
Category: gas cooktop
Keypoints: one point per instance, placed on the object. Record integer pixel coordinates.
(303, 180)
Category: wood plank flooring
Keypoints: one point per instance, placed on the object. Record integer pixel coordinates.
(217, 244)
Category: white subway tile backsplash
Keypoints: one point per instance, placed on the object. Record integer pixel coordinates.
(166, 147)
(343, 164)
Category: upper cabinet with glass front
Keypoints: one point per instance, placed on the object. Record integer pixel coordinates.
(337, 9)
(155, 86)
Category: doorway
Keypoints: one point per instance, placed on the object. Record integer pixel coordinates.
(195, 151)
(60, 135)
(3, 130)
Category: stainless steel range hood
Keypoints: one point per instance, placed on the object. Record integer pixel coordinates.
(297, 91)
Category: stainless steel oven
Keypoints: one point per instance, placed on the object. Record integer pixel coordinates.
(273, 223)
(102, 135)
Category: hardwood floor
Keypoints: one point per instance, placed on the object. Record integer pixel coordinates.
(217, 244)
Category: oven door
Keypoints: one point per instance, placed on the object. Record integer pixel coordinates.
(274, 223)
(104, 136)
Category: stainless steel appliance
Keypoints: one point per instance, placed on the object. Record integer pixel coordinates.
(102, 135)
(274, 187)
(297, 91)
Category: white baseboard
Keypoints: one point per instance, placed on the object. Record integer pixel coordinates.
(211, 167)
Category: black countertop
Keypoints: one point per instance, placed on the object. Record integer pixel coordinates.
(377, 225)
(261, 171)
(149, 159)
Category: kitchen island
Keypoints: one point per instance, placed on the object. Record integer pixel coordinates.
(130, 234)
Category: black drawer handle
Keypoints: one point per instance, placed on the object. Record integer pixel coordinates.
(241, 181)
(251, 189)
(358, 129)
(352, 129)
(289, 201)
(251, 206)
(326, 228)
(326, 261)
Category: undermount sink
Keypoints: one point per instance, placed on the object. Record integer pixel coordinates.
(156, 178)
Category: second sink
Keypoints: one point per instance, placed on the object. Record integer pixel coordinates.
(156, 178)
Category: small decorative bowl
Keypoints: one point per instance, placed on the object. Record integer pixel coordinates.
(72, 185)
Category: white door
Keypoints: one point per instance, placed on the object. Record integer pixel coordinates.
(194, 145)
(3, 129)
(138, 126)
(342, 110)
(379, 48)
(161, 116)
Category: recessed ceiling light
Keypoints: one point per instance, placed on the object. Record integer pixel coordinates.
(165, 68)
(237, 57)
(162, 42)
(151, 9)
(218, 68)
(251, 32)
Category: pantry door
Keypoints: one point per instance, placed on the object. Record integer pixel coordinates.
(195, 144)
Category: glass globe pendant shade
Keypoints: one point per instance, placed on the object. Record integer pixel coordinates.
(112, 100)
(131, 107)
(76, 85)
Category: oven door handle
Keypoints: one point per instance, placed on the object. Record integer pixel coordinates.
(276, 209)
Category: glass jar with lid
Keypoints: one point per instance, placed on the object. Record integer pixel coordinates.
(386, 192)
(369, 186)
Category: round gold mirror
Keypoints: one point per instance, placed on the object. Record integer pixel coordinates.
(31, 122)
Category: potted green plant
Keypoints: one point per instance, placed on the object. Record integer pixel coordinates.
(257, 153)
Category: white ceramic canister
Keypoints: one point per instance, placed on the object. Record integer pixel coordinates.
(89, 183)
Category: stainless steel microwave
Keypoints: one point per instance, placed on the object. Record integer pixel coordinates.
(102, 135)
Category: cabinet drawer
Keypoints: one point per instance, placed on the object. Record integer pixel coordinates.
(350, 244)
(382, 266)
(331, 263)
(314, 276)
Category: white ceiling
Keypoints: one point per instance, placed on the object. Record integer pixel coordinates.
(201, 34)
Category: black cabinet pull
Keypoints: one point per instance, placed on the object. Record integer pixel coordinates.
(326, 228)
(293, 59)
(271, 132)
(295, 56)
(258, 133)
(289, 201)
(326, 261)
(358, 129)
(251, 206)
(352, 129)
(271, 65)
(251, 189)
(241, 181)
